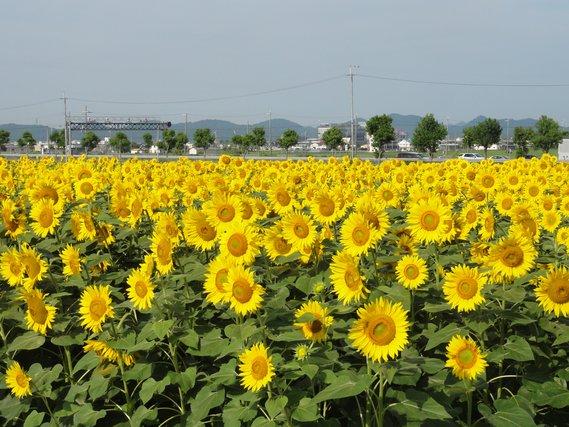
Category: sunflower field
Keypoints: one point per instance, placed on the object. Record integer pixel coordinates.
(243, 292)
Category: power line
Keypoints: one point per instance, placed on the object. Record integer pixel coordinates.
(221, 98)
(33, 104)
(443, 83)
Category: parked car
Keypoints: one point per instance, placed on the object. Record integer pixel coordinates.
(499, 158)
(473, 157)
(410, 155)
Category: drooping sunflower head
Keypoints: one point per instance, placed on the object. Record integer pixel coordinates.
(162, 249)
(107, 353)
(463, 286)
(316, 328)
(39, 315)
(18, 381)
(256, 368)
(34, 266)
(95, 307)
(275, 244)
(71, 259)
(464, 358)
(552, 292)
(412, 271)
(380, 331)
(348, 283)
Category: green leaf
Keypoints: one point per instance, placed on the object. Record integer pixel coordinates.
(191, 339)
(276, 406)
(98, 386)
(226, 375)
(68, 340)
(150, 387)
(35, 418)
(306, 411)
(162, 327)
(141, 414)
(27, 341)
(517, 348)
(509, 414)
(240, 332)
(205, 401)
(87, 362)
(344, 386)
(442, 335)
(11, 407)
(87, 416)
(186, 379)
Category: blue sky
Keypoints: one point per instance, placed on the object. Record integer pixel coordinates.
(148, 50)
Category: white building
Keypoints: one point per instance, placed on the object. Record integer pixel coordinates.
(563, 153)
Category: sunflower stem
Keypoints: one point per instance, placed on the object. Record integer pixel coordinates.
(469, 408)
(368, 398)
(46, 403)
(174, 355)
(380, 411)
(69, 364)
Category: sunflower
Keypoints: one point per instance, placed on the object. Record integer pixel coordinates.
(316, 328)
(162, 252)
(562, 236)
(105, 234)
(245, 296)
(465, 358)
(357, 235)
(487, 220)
(216, 278)
(275, 244)
(87, 229)
(45, 217)
(380, 332)
(412, 271)
(107, 353)
(39, 315)
(550, 220)
(18, 381)
(71, 261)
(346, 280)
(512, 257)
(34, 266)
(85, 189)
(301, 352)
(166, 224)
(140, 289)
(239, 243)
(198, 232)
(256, 367)
(223, 211)
(11, 267)
(281, 199)
(95, 307)
(324, 207)
(14, 221)
(463, 286)
(427, 220)
(552, 292)
(298, 230)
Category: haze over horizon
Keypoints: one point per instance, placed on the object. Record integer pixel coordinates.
(147, 51)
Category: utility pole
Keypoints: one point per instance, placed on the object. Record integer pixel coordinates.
(352, 127)
(270, 136)
(186, 124)
(66, 129)
(86, 112)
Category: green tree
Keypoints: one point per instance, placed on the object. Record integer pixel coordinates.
(428, 135)
(27, 139)
(180, 141)
(168, 142)
(484, 134)
(288, 139)
(120, 142)
(203, 138)
(147, 140)
(522, 138)
(58, 136)
(333, 138)
(257, 137)
(90, 140)
(382, 132)
(548, 134)
(4, 138)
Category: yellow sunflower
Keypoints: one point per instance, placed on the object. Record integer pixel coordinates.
(561, 237)
(316, 328)
(346, 280)
(412, 271)
(512, 257)
(71, 261)
(550, 220)
(34, 266)
(104, 234)
(427, 220)
(216, 278)
(11, 267)
(380, 332)
(324, 207)
(166, 223)
(357, 235)
(463, 286)
(223, 211)
(552, 292)
(162, 251)
(465, 358)
(298, 230)
(39, 315)
(281, 199)
(14, 221)
(487, 221)
(95, 307)
(45, 218)
(107, 353)
(256, 368)
(85, 189)
(198, 231)
(301, 352)
(18, 381)
(140, 290)
(275, 244)
(245, 296)
(239, 242)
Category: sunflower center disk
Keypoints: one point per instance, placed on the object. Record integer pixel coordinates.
(466, 358)
(488, 181)
(326, 207)
(301, 230)
(411, 272)
(226, 213)
(430, 220)
(283, 198)
(46, 218)
(21, 380)
(221, 279)
(38, 311)
(467, 288)
(259, 368)
(558, 291)
(360, 235)
(141, 289)
(206, 232)
(237, 245)
(86, 188)
(382, 330)
(242, 291)
(352, 279)
(513, 256)
(316, 326)
(163, 252)
(282, 246)
(97, 308)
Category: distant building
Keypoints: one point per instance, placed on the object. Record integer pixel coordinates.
(360, 132)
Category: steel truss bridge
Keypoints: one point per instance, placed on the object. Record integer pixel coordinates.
(115, 123)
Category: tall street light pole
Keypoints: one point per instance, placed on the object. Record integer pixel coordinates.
(351, 74)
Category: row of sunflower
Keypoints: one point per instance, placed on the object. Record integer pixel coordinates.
(264, 293)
